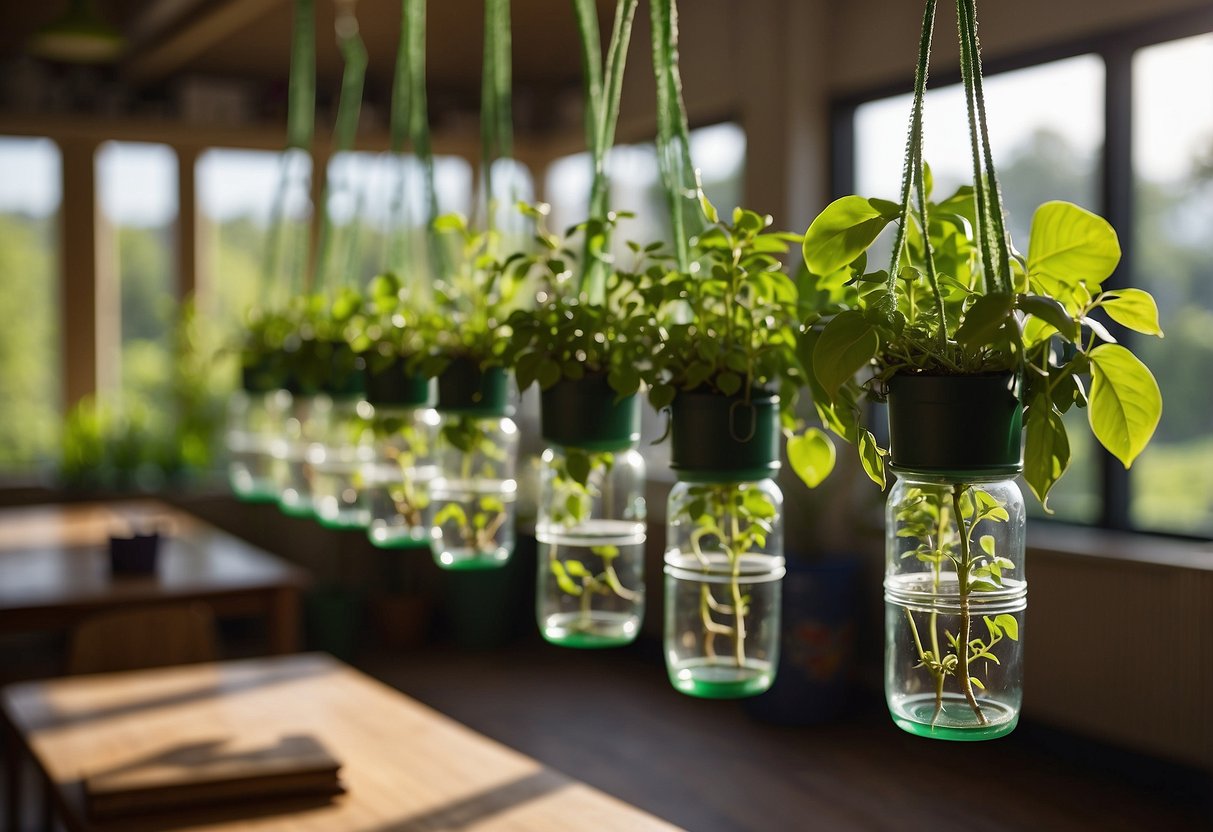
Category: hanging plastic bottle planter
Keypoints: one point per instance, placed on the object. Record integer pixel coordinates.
(344, 444)
(724, 545)
(396, 486)
(255, 414)
(955, 585)
(471, 504)
(302, 425)
(591, 522)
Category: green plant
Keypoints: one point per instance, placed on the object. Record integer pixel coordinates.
(729, 324)
(568, 336)
(958, 299)
(473, 302)
(733, 520)
(943, 519)
(401, 443)
(479, 457)
(576, 476)
(479, 531)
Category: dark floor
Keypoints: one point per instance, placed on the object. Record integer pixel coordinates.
(611, 719)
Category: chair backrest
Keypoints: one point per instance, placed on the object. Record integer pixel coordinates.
(143, 637)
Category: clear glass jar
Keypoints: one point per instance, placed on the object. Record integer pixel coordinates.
(723, 566)
(591, 533)
(339, 462)
(302, 428)
(396, 483)
(954, 575)
(471, 507)
(254, 420)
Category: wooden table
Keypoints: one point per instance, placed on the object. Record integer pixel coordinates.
(54, 569)
(406, 767)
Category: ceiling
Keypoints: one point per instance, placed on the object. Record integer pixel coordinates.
(251, 39)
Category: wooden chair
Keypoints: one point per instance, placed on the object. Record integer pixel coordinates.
(142, 638)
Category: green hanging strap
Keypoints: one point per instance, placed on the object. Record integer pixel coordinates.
(349, 107)
(985, 177)
(603, 89)
(415, 110)
(673, 135)
(913, 174)
(397, 245)
(496, 107)
(300, 130)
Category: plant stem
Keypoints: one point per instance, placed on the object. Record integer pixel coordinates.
(738, 606)
(587, 597)
(966, 622)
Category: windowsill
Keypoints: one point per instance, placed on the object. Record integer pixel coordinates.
(1120, 546)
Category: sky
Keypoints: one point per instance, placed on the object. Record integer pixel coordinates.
(1173, 123)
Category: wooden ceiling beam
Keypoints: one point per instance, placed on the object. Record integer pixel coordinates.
(156, 18)
(168, 53)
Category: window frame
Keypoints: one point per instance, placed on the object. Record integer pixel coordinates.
(1116, 48)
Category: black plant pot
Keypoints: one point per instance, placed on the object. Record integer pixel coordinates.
(329, 367)
(724, 438)
(588, 414)
(264, 374)
(136, 555)
(393, 386)
(464, 387)
(958, 424)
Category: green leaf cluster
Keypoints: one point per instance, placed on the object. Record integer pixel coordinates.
(729, 323)
(568, 335)
(1049, 327)
(958, 299)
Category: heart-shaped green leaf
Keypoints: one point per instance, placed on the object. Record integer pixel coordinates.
(1133, 308)
(1069, 245)
(1046, 450)
(871, 456)
(812, 455)
(1125, 402)
(847, 344)
(985, 318)
(841, 233)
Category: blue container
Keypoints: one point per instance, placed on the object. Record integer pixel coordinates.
(817, 650)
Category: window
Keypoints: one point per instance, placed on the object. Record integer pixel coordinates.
(1171, 486)
(236, 191)
(1052, 139)
(30, 395)
(137, 222)
(717, 151)
(377, 201)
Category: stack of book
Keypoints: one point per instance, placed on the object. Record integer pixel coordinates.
(214, 772)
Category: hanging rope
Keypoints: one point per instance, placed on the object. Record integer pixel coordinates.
(496, 108)
(673, 136)
(349, 107)
(300, 129)
(603, 89)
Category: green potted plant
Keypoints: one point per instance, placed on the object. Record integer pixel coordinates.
(726, 367)
(472, 498)
(471, 506)
(257, 410)
(978, 351)
(725, 362)
(394, 487)
(583, 346)
(586, 357)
